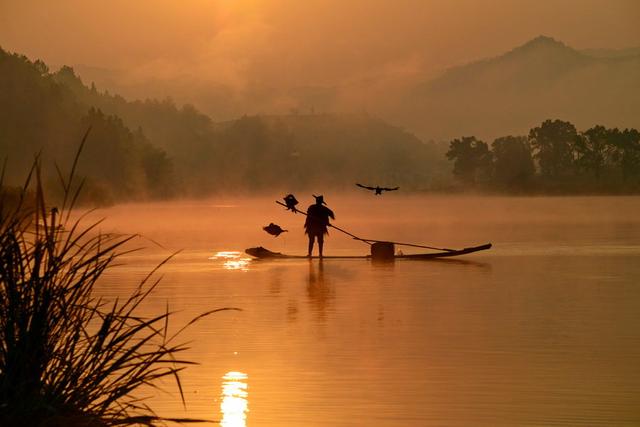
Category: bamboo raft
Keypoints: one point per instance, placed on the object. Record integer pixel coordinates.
(263, 253)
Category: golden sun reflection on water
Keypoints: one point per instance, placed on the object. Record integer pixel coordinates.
(232, 260)
(234, 405)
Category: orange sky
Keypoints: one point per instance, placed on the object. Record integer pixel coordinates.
(168, 47)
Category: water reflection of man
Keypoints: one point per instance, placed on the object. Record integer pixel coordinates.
(319, 290)
(316, 223)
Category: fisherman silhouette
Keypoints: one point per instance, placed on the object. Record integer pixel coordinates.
(378, 190)
(316, 223)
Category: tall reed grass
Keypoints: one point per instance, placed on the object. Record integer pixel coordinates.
(68, 357)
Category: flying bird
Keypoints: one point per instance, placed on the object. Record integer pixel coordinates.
(274, 229)
(291, 202)
(378, 190)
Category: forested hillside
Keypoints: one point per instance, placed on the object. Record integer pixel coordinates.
(154, 149)
(40, 115)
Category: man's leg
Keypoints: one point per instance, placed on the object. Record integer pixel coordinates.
(320, 244)
(311, 237)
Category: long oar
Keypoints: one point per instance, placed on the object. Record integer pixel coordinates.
(409, 244)
(370, 241)
(330, 225)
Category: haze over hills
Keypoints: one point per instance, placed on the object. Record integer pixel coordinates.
(508, 94)
(612, 53)
(156, 149)
(497, 96)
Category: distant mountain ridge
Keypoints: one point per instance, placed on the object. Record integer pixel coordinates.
(541, 56)
(509, 93)
(540, 79)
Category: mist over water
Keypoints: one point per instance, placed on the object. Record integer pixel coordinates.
(188, 120)
(543, 329)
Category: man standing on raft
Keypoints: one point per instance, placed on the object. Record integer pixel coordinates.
(317, 222)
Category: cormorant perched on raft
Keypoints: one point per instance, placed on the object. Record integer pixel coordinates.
(291, 202)
(377, 189)
(274, 229)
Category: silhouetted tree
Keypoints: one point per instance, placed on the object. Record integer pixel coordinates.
(472, 159)
(124, 163)
(593, 150)
(596, 160)
(553, 142)
(158, 169)
(513, 167)
(36, 113)
(627, 153)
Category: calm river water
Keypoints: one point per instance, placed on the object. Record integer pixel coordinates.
(542, 330)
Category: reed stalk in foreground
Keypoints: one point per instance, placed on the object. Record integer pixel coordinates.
(67, 357)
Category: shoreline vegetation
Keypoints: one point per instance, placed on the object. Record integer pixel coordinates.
(155, 150)
(67, 356)
(554, 158)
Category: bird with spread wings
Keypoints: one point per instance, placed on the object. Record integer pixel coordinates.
(378, 190)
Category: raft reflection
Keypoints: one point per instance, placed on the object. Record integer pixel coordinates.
(234, 405)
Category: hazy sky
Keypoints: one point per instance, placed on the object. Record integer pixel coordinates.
(200, 50)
